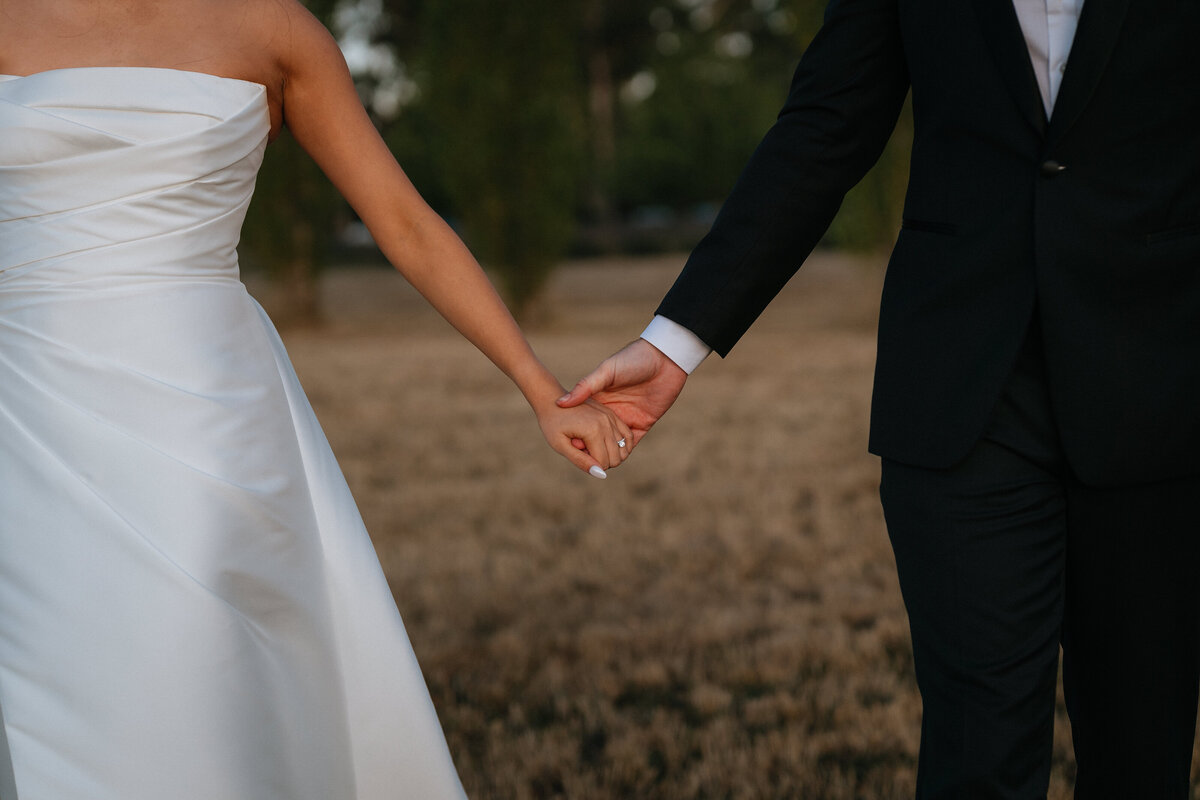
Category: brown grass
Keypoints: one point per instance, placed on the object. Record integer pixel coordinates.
(719, 619)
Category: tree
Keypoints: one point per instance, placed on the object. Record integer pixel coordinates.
(616, 42)
(525, 119)
(502, 91)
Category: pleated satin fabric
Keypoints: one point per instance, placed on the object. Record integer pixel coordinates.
(190, 607)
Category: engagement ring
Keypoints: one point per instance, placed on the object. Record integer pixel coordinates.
(620, 442)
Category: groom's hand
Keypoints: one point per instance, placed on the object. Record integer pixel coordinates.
(638, 384)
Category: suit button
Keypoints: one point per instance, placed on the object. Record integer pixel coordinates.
(1051, 168)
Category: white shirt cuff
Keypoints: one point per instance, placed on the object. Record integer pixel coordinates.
(676, 343)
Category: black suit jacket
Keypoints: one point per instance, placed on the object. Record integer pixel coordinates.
(1090, 219)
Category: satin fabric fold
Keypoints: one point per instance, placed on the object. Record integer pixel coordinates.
(189, 604)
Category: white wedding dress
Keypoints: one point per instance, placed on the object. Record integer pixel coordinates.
(190, 608)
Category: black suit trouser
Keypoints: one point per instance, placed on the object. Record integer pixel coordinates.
(1004, 557)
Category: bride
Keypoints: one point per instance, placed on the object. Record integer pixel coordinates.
(189, 605)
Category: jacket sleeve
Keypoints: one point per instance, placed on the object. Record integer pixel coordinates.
(843, 104)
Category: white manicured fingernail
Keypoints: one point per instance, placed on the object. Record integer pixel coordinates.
(596, 472)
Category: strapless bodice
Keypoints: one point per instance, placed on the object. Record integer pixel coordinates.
(108, 173)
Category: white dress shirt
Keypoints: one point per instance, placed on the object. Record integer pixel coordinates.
(1049, 29)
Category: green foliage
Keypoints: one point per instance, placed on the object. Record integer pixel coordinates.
(526, 118)
(718, 71)
(502, 93)
(686, 143)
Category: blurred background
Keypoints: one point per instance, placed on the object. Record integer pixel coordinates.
(721, 617)
(554, 128)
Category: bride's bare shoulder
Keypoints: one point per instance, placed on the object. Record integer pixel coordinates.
(291, 32)
(282, 34)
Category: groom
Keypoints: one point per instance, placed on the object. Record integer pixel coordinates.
(1037, 388)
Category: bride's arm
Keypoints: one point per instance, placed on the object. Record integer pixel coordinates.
(324, 113)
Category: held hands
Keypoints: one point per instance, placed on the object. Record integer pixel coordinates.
(590, 436)
(638, 384)
(597, 424)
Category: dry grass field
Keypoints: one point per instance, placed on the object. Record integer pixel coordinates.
(719, 619)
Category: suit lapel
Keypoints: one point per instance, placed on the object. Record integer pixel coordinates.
(1095, 37)
(1002, 31)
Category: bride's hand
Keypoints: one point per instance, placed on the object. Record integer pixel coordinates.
(589, 436)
